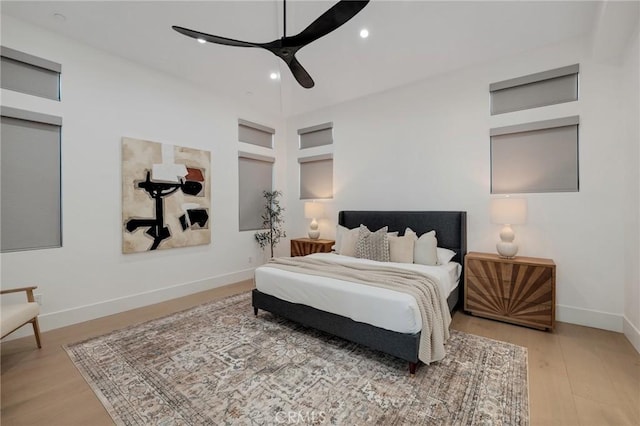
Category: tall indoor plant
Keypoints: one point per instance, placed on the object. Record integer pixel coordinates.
(272, 221)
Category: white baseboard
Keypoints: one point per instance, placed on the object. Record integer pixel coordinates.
(589, 318)
(53, 320)
(631, 333)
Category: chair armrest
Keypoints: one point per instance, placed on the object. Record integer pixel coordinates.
(29, 291)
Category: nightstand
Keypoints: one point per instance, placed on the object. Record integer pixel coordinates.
(305, 246)
(521, 290)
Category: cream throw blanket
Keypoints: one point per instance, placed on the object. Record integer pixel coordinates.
(424, 288)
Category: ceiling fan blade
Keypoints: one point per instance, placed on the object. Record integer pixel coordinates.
(333, 18)
(286, 47)
(301, 75)
(214, 39)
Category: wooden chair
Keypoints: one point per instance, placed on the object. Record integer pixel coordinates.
(15, 315)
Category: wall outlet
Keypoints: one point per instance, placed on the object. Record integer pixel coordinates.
(38, 298)
(250, 259)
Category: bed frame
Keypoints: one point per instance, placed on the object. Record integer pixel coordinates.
(451, 232)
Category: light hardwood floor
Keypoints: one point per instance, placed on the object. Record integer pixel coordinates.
(577, 375)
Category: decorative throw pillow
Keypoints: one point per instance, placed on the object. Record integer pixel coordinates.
(401, 249)
(373, 245)
(346, 240)
(425, 249)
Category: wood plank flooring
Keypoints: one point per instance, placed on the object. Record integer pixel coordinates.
(577, 375)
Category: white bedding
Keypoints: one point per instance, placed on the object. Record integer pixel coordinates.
(380, 307)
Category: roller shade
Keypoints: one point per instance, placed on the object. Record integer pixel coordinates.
(319, 135)
(30, 145)
(535, 157)
(316, 177)
(255, 175)
(255, 134)
(29, 74)
(535, 90)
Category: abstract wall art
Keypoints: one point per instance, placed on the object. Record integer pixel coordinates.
(166, 196)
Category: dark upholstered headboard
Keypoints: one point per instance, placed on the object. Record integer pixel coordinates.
(450, 227)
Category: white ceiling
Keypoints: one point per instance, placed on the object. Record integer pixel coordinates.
(409, 41)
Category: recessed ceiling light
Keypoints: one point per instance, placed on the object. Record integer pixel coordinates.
(201, 40)
(59, 17)
(364, 33)
(273, 76)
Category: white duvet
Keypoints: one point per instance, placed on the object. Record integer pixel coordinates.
(379, 307)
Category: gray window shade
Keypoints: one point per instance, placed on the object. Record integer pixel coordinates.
(255, 175)
(535, 157)
(29, 74)
(255, 134)
(30, 160)
(316, 177)
(319, 135)
(535, 90)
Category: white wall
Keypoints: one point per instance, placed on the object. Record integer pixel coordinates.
(423, 146)
(103, 99)
(426, 146)
(631, 106)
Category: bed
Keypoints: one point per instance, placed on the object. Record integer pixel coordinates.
(450, 227)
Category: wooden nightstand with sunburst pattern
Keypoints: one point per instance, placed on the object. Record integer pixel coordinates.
(305, 246)
(521, 290)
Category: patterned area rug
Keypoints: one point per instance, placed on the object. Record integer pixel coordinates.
(219, 364)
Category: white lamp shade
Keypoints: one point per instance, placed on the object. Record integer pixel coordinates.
(512, 211)
(313, 210)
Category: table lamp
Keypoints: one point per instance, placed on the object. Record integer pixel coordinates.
(508, 211)
(312, 211)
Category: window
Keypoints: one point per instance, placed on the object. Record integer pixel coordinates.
(255, 134)
(535, 157)
(319, 135)
(29, 74)
(255, 175)
(30, 175)
(316, 177)
(535, 90)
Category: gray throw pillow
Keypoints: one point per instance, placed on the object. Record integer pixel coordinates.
(373, 245)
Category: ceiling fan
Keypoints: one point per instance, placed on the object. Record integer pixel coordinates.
(286, 47)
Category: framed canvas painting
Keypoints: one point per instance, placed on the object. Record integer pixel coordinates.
(166, 196)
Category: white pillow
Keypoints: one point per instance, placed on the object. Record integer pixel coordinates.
(340, 231)
(425, 248)
(409, 232)
(445, 255)
(346, 240)
(351, 239)
(401, 248)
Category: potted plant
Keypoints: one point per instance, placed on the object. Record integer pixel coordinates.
(272, 221)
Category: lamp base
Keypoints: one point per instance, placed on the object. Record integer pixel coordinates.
(507, 250)
(314, 233)
(506, 247)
